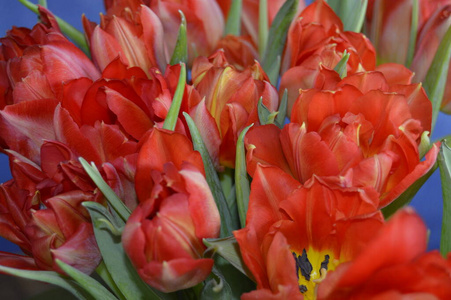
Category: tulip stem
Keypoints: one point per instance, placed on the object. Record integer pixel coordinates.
(233, 24)
(413, 33)
(262, 27)
(70, 31)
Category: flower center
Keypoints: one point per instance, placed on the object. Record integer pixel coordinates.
(311, 269)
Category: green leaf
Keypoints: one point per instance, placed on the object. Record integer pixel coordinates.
(107, 191)
(342, 68)
(413, 33)
(351, 12)
(116, 261)
(264, 115)
(228, 187)
(54, 294)
(444, 162)
(43, 3)
(49, 277)
(70, 31)
(435, 81)
(102, 271)
(262, 26)
(227, 224)
(241, 180)
(229, 249)
(282, 113)
(408, 194)
(233, 24)
(180, 54)
(173, 113)
(276, 39)
(89, 284)
(216, 287)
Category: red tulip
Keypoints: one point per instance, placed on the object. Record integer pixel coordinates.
(229, 103)
(317, 226)
(389, 22)
(362, 133)
(135, 37)
(316, 40)
(35, 64)
(392, 266)
(42, 212)
(163, 236)
(205, 25)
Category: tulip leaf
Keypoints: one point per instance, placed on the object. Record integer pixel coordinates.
(262, 26)
(70, 31)
(43, 3)
(102, 271)
(216, 286)
(89, 284)
(444, 162)
(264, 115)
(342, 67)
(282, 113)
(227, 223)
(180, 54)
(56, 293)
(116, 261)
(408, 194)
(107, 191)
(173, 113)
(276, 39)
(435, 81)
(227, 184)
(229, 249)
(233, 24)
(413, 33)
(241, 179)
(49, 277)
(351, 12)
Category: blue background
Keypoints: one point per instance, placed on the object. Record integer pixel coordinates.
(428, 201)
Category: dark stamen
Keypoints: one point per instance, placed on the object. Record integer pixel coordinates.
(296, 264)
(302, 288)
(325, 262)
(305, 265)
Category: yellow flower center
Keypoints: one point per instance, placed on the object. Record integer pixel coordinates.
(311, 269)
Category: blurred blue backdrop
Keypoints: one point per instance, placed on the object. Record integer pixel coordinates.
(428, 201)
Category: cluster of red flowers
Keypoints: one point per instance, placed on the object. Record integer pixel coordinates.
(314, 229)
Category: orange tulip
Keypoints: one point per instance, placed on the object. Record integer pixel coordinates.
(163, 236)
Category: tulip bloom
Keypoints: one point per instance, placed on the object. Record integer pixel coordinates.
(295, 235)
(316, 40)
(153, 27)
(42, 212)
(393, 265)
(163, 236)
(362, 133)
(35, 64)
(229, 103)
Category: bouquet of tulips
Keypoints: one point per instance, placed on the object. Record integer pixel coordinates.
(226, 149)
